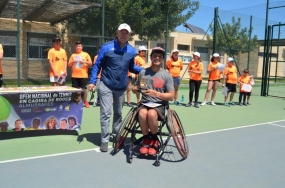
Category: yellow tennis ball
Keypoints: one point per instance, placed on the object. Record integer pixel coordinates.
(5, 109)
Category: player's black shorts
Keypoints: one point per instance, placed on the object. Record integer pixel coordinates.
(218, 80)
(231, 87)
(248, 93)
(160, 110)
(79, 82)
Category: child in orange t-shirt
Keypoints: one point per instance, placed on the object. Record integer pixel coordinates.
(243, 79)
(58, 62)
(174, 65)
(213, 80)
(79, 62)
(249, 93)
(230, 80)
(195, 69)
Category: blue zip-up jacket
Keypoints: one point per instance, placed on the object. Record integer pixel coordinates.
(115, 62)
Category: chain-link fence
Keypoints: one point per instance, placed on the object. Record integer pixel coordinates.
(35, 39)
(241, 35)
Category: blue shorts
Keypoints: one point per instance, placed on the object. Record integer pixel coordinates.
(176, 81)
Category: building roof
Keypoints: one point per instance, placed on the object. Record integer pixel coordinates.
(194, 29)
(52, 11)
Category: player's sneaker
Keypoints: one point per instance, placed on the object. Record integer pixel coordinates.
(86, 104)
(213, 103)
(204, 103)
(188, 104)
(145, 146)
(196, 105)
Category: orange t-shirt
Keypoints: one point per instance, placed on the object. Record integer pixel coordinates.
(79, 70)
(1, 51)
(174, 67)
(194, 67)
(243, 80)
(231, 75)
(216, 74)
(140, 61)
(58, 58)
(100, 72)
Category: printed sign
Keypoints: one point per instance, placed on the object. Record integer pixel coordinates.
(40, 108)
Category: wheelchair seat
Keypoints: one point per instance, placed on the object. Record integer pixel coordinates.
(174, 128)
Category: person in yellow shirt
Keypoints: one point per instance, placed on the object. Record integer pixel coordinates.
(35, 124)
(58, 62)
(174, 65)
(195, 69)
(1, 73)
(213, 80)
(230, 78)
(140, 61)
(79, 62)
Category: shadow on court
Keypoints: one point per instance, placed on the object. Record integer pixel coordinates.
(24, 134)
(94, 138)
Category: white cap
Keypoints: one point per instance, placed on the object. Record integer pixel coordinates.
(174, 50)
(141, 48)
(230, 59)
(216, 55)
(124, 26)
(197, 54)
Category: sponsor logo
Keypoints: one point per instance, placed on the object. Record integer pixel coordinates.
(37, 109)
(60, 108)
(25, 110)
(67, 107)
(50, 109)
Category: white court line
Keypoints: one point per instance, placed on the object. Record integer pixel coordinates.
(241, 127)
(277, 125)
(44, 156)
(98, 149)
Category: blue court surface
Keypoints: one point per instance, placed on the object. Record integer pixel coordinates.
(248, 156)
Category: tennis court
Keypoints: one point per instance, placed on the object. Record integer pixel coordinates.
(228, 147)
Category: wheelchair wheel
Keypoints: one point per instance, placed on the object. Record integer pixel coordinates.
(178, 134)
(125, 128)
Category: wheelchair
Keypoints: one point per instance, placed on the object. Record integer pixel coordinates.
(173, 125)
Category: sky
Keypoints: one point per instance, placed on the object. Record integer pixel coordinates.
(239, 8)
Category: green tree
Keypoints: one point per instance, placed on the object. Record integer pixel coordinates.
(147, 18)
(231, 38)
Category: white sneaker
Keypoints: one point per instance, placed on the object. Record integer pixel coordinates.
(213, 103)
(203, 103)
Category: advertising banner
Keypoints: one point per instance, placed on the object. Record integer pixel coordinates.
(40, 108)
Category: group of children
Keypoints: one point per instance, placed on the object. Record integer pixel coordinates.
(229, 83)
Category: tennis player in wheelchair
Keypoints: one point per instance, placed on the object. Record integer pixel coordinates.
(156, 86)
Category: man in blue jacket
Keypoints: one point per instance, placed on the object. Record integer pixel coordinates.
(116, 58)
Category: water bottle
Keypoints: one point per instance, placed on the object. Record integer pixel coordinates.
(182, 98)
